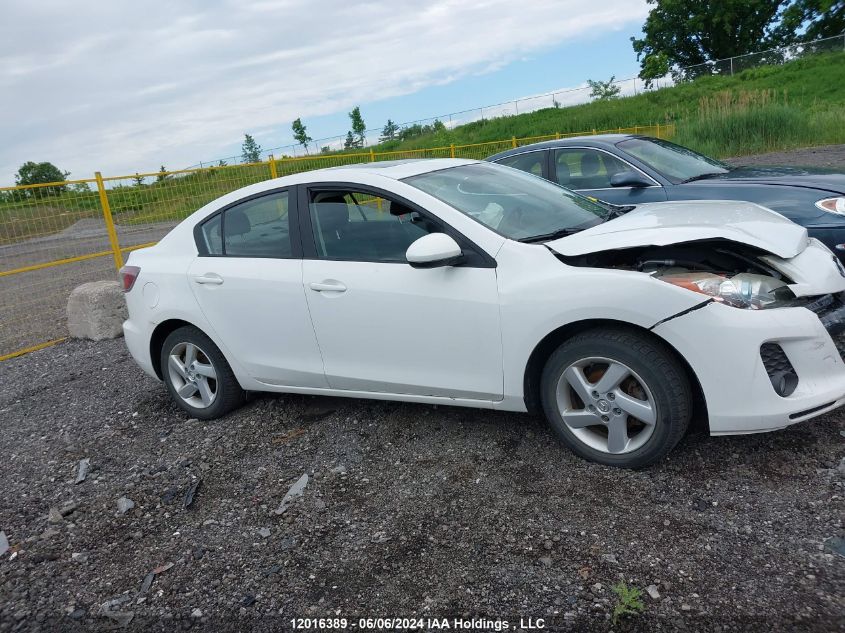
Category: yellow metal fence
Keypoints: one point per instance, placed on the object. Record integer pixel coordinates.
(56, 236)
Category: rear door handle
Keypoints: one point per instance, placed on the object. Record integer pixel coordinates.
(210, 278)
(328, 286)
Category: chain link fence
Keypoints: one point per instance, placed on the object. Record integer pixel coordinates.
(569, 96)
(56, 236)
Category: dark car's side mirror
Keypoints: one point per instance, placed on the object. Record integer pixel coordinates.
(629, 179)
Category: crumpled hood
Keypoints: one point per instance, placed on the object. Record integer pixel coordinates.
(664, 223)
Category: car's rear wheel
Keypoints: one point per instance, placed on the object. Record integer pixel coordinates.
(196, 374)
(616, 396)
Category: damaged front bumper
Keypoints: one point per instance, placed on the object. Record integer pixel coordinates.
(730, 352)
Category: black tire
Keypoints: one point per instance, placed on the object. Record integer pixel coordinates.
(228, 393)
(656, 366)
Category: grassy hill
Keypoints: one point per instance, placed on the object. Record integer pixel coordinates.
(801, 103)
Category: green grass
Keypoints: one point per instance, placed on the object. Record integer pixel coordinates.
(627, 601)
(798, 104)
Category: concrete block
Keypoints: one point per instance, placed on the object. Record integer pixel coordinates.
(96, 311)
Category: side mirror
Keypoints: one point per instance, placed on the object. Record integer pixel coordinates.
(629, 179)
(433, 250)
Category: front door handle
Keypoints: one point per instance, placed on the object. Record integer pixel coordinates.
(210, 278)
(328, 286)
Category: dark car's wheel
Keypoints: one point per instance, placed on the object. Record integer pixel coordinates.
(197, 375)
(617, 397)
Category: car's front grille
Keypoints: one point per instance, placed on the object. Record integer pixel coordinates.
(831, 312)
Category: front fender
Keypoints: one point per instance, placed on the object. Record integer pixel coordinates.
(539, 294)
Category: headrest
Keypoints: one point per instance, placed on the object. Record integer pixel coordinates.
(589, 164)
(237, 222)
(563, 173)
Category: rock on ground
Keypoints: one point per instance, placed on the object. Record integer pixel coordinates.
(96, 310)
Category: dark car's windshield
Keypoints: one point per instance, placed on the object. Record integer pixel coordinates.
(677, 163)
(511, 202)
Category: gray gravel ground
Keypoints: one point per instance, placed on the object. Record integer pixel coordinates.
(410, 510)
(829, 156)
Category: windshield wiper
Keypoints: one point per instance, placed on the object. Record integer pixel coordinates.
(709, 174)
(617, 210)
(549, 236)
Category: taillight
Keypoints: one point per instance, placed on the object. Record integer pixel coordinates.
(128, 275)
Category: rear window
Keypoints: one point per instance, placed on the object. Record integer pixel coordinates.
(259, 227)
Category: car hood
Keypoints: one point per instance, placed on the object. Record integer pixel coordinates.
(664, 223)
(812, 178)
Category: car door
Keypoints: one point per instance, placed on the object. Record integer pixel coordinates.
(384, 326)
(247, 281)
(588, 171)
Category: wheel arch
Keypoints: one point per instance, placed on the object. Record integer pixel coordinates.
(549, 343)
(161, 332)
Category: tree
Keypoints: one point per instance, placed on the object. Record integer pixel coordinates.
(359, 128)
(680, 33)
(818, 18)
(31, 173)
(604, 90)
(221, 163)
(389, 131)
(325, 149)
(138, 178)
(162, 174)
(250, 150)
(299, 134)
(350, 142)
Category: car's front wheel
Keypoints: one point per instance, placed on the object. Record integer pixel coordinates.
(616, 396)
(196, 374)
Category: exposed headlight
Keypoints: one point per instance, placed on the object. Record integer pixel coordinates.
(746, 290)
(832, 205)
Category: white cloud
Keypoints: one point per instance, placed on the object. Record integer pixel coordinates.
(123, 87)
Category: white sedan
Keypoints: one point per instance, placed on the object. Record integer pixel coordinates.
(472, 284)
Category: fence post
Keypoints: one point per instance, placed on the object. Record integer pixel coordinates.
(452, 150)
(557, 136)
(513, 141)
(732, 66)
(104, 204)
(594, 131)
(658, 130)
(372, 155)
(273, 173)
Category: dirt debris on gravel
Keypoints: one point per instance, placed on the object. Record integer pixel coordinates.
(827, 156)
(408, 511)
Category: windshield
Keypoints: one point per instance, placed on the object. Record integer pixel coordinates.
(677, 163)
(511, 202)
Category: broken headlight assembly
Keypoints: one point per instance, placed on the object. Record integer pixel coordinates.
(745, 290)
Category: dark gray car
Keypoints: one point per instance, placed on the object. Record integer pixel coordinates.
(630, 169)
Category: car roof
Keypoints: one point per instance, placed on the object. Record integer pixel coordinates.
(394, 169)
(590, 140)
(356, 173)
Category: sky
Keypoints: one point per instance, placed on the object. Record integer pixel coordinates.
(125, 87)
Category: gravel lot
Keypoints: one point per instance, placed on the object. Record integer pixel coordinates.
(410, 510)
(829, 156)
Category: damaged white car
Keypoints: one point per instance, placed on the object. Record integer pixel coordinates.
(468, 283)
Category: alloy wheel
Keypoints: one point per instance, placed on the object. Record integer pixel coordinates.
(192, 375)
(606, 405)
